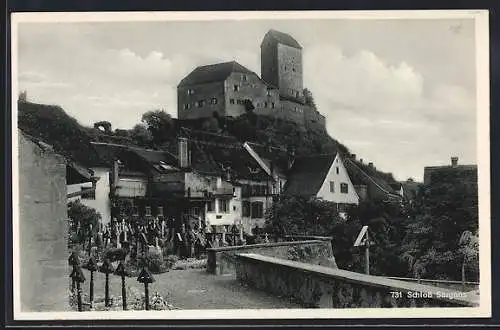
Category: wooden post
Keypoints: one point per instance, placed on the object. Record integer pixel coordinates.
(92, 267)
(79, 294)
(367, 255)
(121, 271)
(106, 269)
(146, 277)
(78, 277)
(146, 293)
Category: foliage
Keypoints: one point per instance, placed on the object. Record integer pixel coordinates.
(104, 125)
(309, 99)
(141, 135)
(160, 124)
(439, 231)
(80, 217)
(212, 124)
(298, 216)
(114, 254)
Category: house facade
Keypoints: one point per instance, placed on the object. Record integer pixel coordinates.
(324, 177)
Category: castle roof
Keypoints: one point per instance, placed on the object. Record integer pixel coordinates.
(281, 38)
(308, 174)
(213, 73)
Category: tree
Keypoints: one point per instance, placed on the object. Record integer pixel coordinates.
(104, 126)
(160, 124)
(469, 248)
(141, 135)
(309, 99)
(81, 217)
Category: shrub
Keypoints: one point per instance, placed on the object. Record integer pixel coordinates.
(154, 261)
(114, 254)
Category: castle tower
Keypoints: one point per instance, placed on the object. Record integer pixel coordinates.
(281, 64)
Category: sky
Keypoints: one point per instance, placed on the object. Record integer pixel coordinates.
(399, 93)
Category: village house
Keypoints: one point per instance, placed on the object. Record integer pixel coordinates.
(451, 173)
(323, 177)
(227, 88)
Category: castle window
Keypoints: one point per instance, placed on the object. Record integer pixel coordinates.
(231, 101)
(187, 106)
(272, 105)
(190, 91)
(265, 104)
(236, 88)
(344, 188)
(293, 69)
(200, 103)
(214, 100)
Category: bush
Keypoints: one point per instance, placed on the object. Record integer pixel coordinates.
(114, 254)
(154, 261)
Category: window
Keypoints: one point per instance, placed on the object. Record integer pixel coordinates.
(190, 92)
(200, 103)
(187, 106)
(337, 169)
(245, 208)
(265, 104)
(244, 77)
(213, 100)
(246, 190)
(344, 188)
(90, 194)
(231, 101)
(297, 94)
(272, 105)
(332, 186)
(211, 206)
(268, 93)
(236, 88)
(239, 102)
(293, 69)
(257, 210)
(223, 205)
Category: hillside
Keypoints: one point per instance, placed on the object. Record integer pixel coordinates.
(51, 124)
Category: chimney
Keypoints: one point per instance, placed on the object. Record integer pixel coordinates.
(115, 170)
(184, 154)
(454, 161)
(361, 160)
(353, 156)
(370, 164)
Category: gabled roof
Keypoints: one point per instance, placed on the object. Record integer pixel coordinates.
(274, 157)
(361, 174)
(213, 154)
(281, 38)
(213, 73)
(308, 174)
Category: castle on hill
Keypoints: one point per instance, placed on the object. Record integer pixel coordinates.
(228, 88)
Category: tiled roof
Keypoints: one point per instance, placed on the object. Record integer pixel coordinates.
(213, 73)
(361, 174)
(282, 38)
(275, 155)
(213, 153)
(308, 174)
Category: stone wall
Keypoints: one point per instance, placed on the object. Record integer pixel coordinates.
(315, 286)
(190, 95)
(43, 231)
(221, 260)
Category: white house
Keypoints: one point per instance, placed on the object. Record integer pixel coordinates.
(324, 177)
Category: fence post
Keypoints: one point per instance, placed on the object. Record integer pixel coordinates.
(146, 278)
(92, 267)
(106, 268)
(121, 271)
